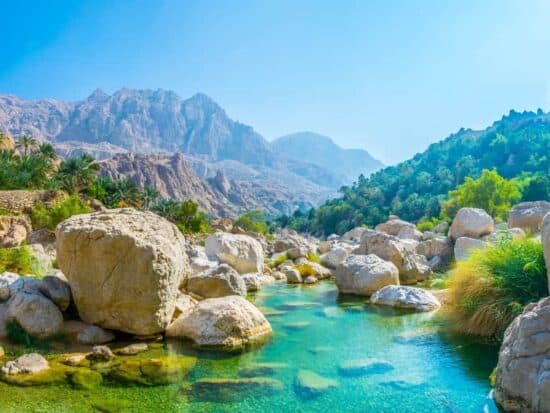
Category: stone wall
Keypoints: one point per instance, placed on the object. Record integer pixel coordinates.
(17, 201)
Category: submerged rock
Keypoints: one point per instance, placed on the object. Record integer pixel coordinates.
(154, 371)
(364, 366)
(220, 281)
(309, 384)
(124, 268)
(227, 322)
(262, 369)
(365, 274)
(406, 297)
(230, 389)
(241, 252)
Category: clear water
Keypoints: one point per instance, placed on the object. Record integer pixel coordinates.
(315, 330)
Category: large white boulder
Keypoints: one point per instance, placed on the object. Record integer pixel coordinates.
(394, 226)
(472, 223)
(528, 215)
(124, 268)
(334, 257)
(354, 235)
(243, 253)
(464, 246)
(365, 274)
(227, 322)
(216, 282)
(406, 297)
(523, 371)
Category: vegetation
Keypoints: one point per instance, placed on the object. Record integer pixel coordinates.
(490, 192)
(415, 188)
(76, 174)
(494, 284)
(253, 221)
(185, 215)
(18, 260)
(43, 217)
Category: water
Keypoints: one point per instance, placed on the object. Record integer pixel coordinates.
(314, 330)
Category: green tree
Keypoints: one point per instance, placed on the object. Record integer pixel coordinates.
(490, 191)
(76, 174)
(27, 143)
(150, 196)
(253, 221)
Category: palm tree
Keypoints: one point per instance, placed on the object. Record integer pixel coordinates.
(75, 174)
(125, 192)
(150, 195)
(27, 143)
(47, 151)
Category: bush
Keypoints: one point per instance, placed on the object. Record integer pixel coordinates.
(494, 284)
(306, 270)
(426, 224)
(274, 263)
(253, 221)
(311, 256)
(185, 215)
(18, 260)
(43, 217)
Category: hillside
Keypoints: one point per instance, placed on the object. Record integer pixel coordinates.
(322, 151)
(517, 144)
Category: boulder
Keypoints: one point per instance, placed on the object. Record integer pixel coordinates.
(292, 275)
(57, 289)
(522, 376)
(6, 280)
(27, 363)
(464, 245)
(437, 246)
(198, 259)
(36, 314)
(132, 349)
(406, 297)
(408, 232)
(394, 226)
(309, 384)
(334, 257)
(13, 230)
(93, 335)
(365, 274)
(545, 238)
(412, 267)
(355, 234)
(528, 215)
(472, 223)
(226, 322)
(310, 280)
(27, 284)
(101, 353)
(217, 282)
(324, 247)
(242, 252)
(255, 281)
(297, 252)
(441, 228)
(184, 303)
(124, 268)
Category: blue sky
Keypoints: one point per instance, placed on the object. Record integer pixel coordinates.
(390, 77)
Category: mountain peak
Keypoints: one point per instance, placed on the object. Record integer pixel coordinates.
(98, 94)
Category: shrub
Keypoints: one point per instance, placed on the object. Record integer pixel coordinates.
(253, 221)
(278, 261)
(18, 260)
(185, 215)
(311, 256)
(306, 270)
(493, 285)
(43, 217)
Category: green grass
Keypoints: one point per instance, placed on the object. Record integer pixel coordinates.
(18, 260)
(494, 284)
(43, 217)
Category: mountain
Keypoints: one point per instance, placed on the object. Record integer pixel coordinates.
(518, 145)
(322, 151)
(156, 122)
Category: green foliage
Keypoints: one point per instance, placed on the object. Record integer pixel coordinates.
(18, 260)
(43, 217)
(312, 257)
(253, 221)
(428, 224)
(517, 144)
(185, 215)
(76, 174)
(490, 192)
(274, 263)
(17, 335)
(494, 284)
(32, 171)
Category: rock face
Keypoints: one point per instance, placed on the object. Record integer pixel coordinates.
(405, 297)
(242, 252)
(124, 268)
(412, 267)
(217, 282)
(13, 230)
(464, 245)
(472, 223)
(523, 370)
(365, 274)
(227, 322)
(545, 238)
(528, 215)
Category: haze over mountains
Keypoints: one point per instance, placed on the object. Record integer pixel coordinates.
(300, 170)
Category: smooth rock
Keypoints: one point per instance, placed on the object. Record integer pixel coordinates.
(124, 267)
(334, 257)
(217, 282)
(227, 322)
(406, 297)
(36, 314)
(472, 223)
(528, 215)
(27, 363)
(57, 290)
(309, 384)
(365, 274)
(394, 226)
(293, 276)
(242, 252)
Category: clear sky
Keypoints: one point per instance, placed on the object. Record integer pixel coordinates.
(387, 76)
